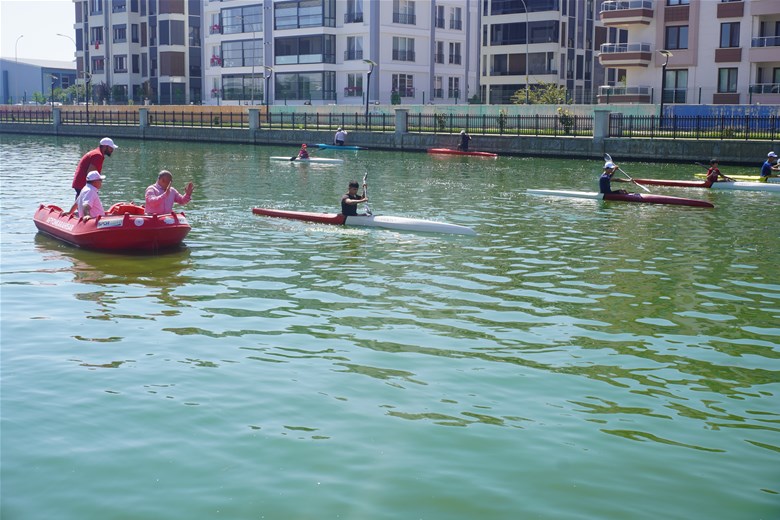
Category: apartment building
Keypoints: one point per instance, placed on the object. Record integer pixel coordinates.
(325, 51)
(525, 42)
(692, 51)
(140, 49)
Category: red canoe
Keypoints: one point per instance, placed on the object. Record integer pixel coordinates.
(124, 228)
(449, 151)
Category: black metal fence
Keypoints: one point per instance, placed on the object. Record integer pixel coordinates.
(535, 125)
(744, 127)
(696, 127)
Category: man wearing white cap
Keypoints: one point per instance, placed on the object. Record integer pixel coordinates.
(92, 161)
(770, 167)
(88, 201)
(340, 136)
(606, 179)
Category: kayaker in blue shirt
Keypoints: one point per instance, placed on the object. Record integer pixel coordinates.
(351, 199)
(606, 179)
(769, 168)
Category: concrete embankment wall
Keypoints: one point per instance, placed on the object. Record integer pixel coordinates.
(653, 150)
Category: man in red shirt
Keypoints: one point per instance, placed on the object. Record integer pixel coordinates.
(92, 162)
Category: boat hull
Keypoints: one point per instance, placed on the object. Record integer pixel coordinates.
(746, 178)
(385, 222)
(720, 185)
(119, 232)
(337, 147)
(314, 160)
(449, 151)
(641, 198)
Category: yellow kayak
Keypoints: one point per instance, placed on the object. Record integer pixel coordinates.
(747, 178)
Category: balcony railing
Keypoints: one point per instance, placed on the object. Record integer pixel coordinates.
(765, 88)
(405, 18)
(438, 58)
(766, 41)
(621, 5)
(353, 17)
(353, 55)
(406, 92)
(403, 55)
(216, 61)
(215, 29)
(439, 22)
(456, 24)
(614, 48)
(353, 92)
(438, 92)
(606, 90)
(454, 59)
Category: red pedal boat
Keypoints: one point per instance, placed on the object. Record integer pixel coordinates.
(125, 227)
(449, 151)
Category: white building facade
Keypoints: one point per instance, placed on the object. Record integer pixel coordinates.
(321, 51)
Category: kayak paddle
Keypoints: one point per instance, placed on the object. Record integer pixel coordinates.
(608, 158)
(365, 193)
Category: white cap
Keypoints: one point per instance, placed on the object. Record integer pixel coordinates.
(107, 141)
(462, 131)
(609, 164)
(771, 154)
(95, 176)
(339, 130)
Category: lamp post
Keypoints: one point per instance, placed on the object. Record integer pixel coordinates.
(77, 63)
(371, 66)
(51, 88)
(270, 71)
(527, 37)
(666, 54)
(16, 66)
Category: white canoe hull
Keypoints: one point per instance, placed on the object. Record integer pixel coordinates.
(317, 160)
(746, 186)
(407, 224)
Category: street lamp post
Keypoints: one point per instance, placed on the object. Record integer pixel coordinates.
(51, 88)
(16, 67)
(666, 54)
(527, 37)
(371, 66)
(270, 71)
(77, 63)
(87, 75)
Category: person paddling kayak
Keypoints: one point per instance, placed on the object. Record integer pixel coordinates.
(605, 181)
(714, 175)
(351, 199)
(770, 167)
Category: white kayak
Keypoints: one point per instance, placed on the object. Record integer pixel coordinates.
(642, 198)
(320, 160)
(386, 222)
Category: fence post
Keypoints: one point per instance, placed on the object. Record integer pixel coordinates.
(254, 119)
(401, 120)
(56, 117)
(143, 117)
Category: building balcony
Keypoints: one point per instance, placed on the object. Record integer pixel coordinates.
(625, 55)
(353, 17)
(764, 49)
(639, 94)
(216, 61)
(215, 29)
(353, 92)
(626, 12)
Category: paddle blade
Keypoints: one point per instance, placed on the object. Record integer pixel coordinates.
(607, 157)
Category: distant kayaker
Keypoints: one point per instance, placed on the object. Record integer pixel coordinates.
(714, 175)
(161, 196)
(340, 136)
(464, 141)
(351, 199)
(606, 179)
(770, 167)
(88, 201)
(303, 153)
(92, 161)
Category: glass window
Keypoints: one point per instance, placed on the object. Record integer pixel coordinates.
(403, 48)
(727, 80)
(677, 2)
(676, 86)
(120, 33)
(677, 37)
(403, 84)
(729, 34)
(243, 53)
(242, 20)
(305, 49)
(306, 86)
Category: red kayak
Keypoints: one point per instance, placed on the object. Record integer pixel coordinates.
(449, 151)
(125, 227)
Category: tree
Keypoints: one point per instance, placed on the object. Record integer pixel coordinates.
(542, 94)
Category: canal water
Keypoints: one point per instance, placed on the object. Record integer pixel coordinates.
(575, 359)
